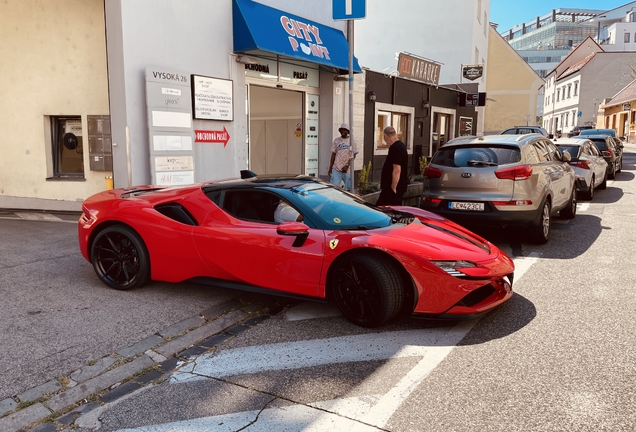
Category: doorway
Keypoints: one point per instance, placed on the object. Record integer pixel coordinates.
(441, 130)
(276, 131)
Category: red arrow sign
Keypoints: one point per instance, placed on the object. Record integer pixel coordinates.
(212, 136)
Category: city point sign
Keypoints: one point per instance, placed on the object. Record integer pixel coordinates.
(418, 69)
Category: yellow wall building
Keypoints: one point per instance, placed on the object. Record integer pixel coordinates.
(512, 87)
(54, 77)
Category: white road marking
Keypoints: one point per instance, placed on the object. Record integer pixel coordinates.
(347, 413)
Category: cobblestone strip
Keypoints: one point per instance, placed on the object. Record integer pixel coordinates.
(192, 336)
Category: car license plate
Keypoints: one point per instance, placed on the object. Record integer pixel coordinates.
(466, 206)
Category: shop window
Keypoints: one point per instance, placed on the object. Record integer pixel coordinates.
(401, 118)
(67, 146)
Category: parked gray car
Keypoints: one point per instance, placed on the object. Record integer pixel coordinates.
(588, 163)
(501, 180)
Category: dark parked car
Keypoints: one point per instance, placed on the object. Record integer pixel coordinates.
(612, 150)
(576, 130)
(501, 180)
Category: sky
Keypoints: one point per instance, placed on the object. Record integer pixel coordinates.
(507, 13)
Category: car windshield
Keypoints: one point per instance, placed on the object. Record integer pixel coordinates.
(476, 156)
(572, 149)
(609, 132)
(341, 210)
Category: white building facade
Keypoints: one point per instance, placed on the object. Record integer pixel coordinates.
(423, 29)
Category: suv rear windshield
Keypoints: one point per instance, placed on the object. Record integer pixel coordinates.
(476, 156)
(573, 150)
(600, 143)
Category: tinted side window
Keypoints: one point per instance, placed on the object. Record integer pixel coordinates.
(251, 205)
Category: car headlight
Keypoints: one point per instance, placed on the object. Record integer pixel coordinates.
(452, 267)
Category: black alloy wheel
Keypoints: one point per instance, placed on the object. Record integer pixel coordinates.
(612, 173)
(620, 165)
(120, 258)
(367, 289)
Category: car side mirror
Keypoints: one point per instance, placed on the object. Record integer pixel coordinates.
(295, 229)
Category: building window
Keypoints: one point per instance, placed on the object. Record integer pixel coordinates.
(67, 146)
(576, 88)
(478, 10)
(567, 119)
(401, 118)
(569, 88)
(626, 38)
(558, 94)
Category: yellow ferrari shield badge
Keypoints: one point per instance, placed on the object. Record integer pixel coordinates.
(333, 243)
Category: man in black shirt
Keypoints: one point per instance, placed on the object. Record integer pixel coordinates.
(394, 178)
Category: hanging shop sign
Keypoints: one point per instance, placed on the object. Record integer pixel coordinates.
(472, 72)
(418, 69)
(472, 99)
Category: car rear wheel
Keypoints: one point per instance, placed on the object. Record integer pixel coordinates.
(620, 165)
(120, 258)
(539, 232)
(367, 289)
(570, 211)
(589, 195)
(612, 173)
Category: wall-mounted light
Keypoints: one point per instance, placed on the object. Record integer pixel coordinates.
(246, 60)
(372, 96)
(341, 78)
(426, 104)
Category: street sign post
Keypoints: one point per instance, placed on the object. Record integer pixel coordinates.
(350, 10)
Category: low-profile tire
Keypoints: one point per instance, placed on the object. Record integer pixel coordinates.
(120, 258)
(367, 289)
(603, 185)
(620, 165)
(539, 232)
(570, 210)
(589, 194)
(612, 173)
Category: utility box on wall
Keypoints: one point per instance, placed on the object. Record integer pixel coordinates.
(100, 143)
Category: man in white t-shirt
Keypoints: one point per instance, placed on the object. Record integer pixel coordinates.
(341, 153)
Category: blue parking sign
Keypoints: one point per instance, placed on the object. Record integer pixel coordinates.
(349, 9)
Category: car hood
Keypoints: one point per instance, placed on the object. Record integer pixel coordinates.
(433, 237)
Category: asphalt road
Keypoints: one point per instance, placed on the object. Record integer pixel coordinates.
(558, 356)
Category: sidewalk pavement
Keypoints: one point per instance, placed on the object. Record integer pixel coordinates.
(60, 402)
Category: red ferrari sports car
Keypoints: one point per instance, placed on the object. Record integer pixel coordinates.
(299, 237)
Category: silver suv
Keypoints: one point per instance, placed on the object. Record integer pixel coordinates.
(501, 180)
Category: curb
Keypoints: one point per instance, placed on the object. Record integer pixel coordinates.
(60, 402)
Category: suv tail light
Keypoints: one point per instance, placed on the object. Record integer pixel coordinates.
(431, 172)
(581, 164)
(522, 172)
(608, 153)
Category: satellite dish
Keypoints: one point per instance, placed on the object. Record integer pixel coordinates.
(70, 141)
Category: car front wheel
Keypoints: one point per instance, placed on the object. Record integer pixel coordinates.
(120, 258)
(603, 184)
(539, 232)
(367, 289)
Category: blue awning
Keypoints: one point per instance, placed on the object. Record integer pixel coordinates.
(259, 28)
